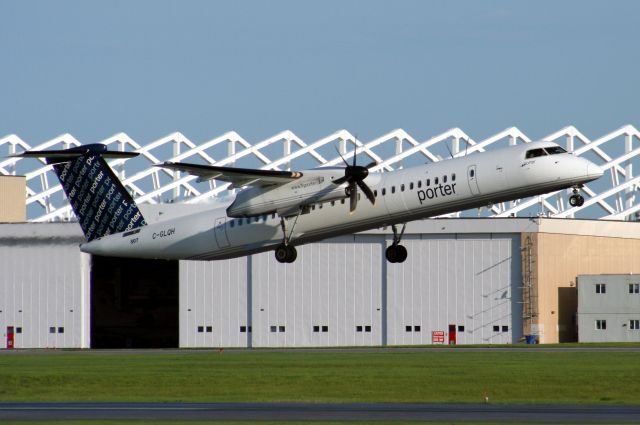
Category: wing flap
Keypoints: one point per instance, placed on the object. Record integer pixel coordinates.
(237, 176)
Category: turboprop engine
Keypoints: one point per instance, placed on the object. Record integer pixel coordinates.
(315, 186)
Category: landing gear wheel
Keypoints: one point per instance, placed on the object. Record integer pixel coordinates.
(396, 254)
(576, 200)
(292, 254)
(286, 254)
(391, 254)
(402, 254)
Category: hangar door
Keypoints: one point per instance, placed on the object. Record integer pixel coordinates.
(134, 303)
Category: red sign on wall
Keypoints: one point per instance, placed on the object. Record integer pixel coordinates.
(437, 337)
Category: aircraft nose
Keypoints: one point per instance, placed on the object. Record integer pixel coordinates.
(594, 171)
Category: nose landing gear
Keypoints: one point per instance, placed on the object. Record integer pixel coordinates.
(396, 253)
(576, 200)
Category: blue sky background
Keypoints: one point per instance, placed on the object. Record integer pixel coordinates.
(149, 68)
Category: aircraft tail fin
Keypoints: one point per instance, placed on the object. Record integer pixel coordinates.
(100, 201)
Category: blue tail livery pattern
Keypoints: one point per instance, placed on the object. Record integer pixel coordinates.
(101, 203)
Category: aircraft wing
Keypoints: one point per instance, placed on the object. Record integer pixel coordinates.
(237, 176)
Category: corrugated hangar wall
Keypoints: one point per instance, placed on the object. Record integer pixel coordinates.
(342, 292)
(44, 287)
(462, 272)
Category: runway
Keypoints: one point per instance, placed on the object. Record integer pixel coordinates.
(319, 412)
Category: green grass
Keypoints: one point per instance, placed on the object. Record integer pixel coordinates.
(456, 377)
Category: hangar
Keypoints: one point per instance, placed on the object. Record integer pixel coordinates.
(478, 281)
(491, 276)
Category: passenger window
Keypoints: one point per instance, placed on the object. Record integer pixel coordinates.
(232, 223)
(428, 182)
(472, 172)
(411, 186)
(419, 184)
(240, 222)
(453, 177)
(393, 189)
(384, 191)
(375, 193)
(342, 201)
(435, 181)
(402, 188)
(333, 203)
(444, 178)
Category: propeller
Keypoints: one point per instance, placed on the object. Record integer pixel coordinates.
(354, 175)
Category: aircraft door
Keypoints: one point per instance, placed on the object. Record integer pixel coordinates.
(472, 177)
(220, 230)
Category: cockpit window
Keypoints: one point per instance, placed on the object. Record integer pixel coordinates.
(550, 150)
(534, 153)
(553, 150)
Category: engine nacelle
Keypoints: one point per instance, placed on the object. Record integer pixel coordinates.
(313, 187)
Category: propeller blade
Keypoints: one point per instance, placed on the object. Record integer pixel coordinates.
(355, 153)
(371, 165)
(367, 191)
(354, 197)
(341, 180)
(343, 160)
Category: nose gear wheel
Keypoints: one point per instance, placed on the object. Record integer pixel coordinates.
(576, 200)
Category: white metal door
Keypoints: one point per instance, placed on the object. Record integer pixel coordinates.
(220, 231)
(472, 176)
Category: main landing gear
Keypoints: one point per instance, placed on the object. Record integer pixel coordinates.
(285, 252)
(396, 253)
(576, 200)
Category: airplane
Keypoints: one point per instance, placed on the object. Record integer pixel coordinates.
(279, 210)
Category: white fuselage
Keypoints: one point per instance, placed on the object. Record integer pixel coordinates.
(401, 196)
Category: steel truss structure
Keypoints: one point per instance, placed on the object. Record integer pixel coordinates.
(609, 198)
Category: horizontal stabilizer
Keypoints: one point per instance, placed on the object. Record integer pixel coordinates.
(237, 176)
(64, 155)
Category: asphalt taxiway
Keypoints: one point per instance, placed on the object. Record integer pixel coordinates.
(321, 411)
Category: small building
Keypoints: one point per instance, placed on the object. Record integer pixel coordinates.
(12, 193)
(609, 308)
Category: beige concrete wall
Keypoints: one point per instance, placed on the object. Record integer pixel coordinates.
(560, 258)
(13, 192)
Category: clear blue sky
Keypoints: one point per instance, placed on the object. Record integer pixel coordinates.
(149, 68)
